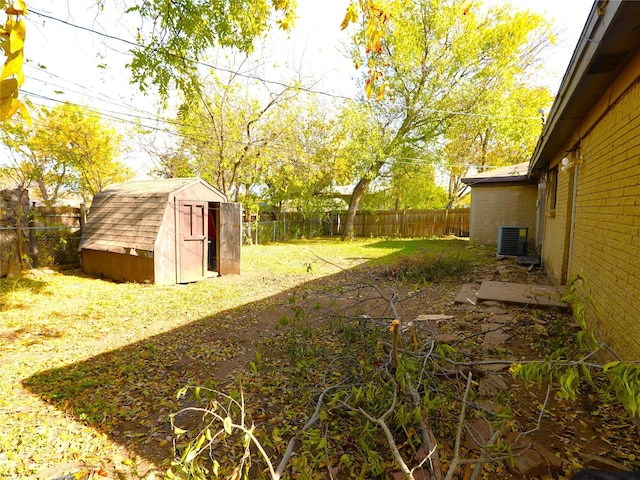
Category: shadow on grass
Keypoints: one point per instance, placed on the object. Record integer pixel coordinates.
(129, 392)
(404, 248)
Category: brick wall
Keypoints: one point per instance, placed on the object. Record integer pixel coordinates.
(554, 238)
(606, 242)
(499, 204)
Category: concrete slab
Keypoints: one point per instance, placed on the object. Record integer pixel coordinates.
(521, 294)
(467, 294)
(494, 339)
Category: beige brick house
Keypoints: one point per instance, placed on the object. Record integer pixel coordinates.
(587, 163)
(501, 197)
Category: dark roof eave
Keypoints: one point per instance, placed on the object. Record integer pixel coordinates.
(613, 31)
(474, 181)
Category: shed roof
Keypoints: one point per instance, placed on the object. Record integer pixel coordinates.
(129, 215)
(510, 173)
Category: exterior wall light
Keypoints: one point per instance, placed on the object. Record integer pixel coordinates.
(567, 164)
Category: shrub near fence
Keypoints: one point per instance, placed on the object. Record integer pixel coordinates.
(51, 239)
(41, 246)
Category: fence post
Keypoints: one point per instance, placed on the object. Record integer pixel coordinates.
(364, 224)
(446, 221)
(257, 224)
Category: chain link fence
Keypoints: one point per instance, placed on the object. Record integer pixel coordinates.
(289, 227)
(41, 246)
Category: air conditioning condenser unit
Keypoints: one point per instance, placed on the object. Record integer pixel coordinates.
(512, 241)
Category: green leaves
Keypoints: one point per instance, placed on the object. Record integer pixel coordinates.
(569, 382)
(624, 379)
(177, 35)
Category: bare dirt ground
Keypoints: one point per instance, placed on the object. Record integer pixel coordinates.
(551, 437)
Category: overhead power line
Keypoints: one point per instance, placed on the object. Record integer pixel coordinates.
(200, 63)
(267, 81)
(172, 127)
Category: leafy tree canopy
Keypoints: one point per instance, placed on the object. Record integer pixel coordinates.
(69, 150)
(175, 36)
(440, 70)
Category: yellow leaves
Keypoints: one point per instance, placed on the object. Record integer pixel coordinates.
(8, 108)
(381, 91)
(8, 89)
(15, 31)
(12, 77)
(17, 35)
(394, 325)
(375, 15)
(369, 88)
(18, 7)
(13, 66)
(373, 34)
(228, 425)
(9, 103)
(287, 9)
(351, 16)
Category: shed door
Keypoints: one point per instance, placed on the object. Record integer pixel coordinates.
(192, 241)
(230, 236)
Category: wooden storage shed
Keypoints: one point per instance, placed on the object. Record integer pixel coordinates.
(167, 231)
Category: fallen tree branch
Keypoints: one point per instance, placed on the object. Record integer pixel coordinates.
(292, 443)
(463, 410)
(380, 421)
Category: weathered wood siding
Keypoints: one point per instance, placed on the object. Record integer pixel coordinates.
(116, 266)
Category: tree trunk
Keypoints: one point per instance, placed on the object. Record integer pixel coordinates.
(19, 216)
(356, 196)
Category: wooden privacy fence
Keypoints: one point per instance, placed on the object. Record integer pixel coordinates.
(408, 223)
(57, 216)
